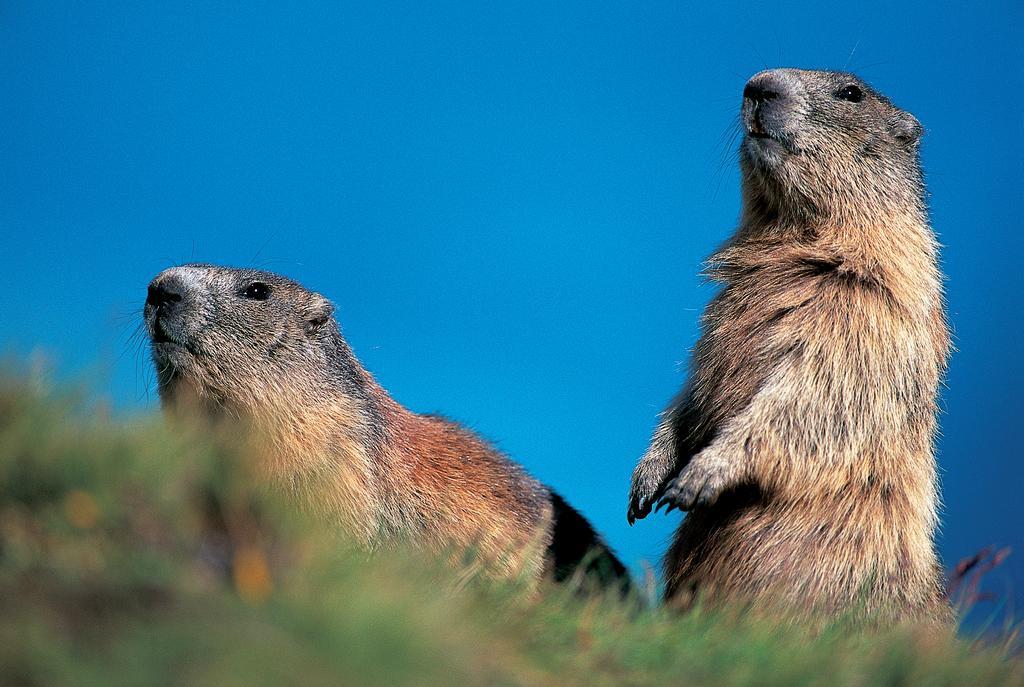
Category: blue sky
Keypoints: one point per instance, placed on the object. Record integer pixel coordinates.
(509, 204)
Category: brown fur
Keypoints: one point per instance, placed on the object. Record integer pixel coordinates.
(327, 431)
(802, 444)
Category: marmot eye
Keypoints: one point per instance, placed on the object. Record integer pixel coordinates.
(851, 93)
(257, 291)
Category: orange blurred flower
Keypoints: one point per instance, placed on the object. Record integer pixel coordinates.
(251, 574)
(81, 510)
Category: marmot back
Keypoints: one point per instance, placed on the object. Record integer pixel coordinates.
(262, 348)
(802, 443)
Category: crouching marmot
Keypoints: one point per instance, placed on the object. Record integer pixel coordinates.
(262, 348)
(802, 444)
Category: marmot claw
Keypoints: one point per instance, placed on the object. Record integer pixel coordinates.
(698, 484)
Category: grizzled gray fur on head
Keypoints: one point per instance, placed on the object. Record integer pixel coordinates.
(243, 337)
(820, 142)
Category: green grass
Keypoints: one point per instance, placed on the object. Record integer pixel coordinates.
(133, 554)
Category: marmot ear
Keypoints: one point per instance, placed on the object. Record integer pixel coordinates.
(317, 313)
(906, 128)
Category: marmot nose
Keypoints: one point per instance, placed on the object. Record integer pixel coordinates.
(164, 293)
(770, 85)
(759, 93)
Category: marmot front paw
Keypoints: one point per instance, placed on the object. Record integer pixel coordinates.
(648, 485)
(699, 483)
(640, 500)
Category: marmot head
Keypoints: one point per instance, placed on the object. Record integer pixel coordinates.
(243, 339)
(824, 143)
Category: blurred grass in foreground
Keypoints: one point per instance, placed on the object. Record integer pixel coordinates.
(131, 554)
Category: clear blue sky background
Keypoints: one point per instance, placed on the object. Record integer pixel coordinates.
(509, 204)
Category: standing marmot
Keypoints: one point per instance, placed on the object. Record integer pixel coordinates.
(259, 347)
(802, 443)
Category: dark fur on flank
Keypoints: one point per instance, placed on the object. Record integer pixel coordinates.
(262, 349)
(576, 549)
(802, 444)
